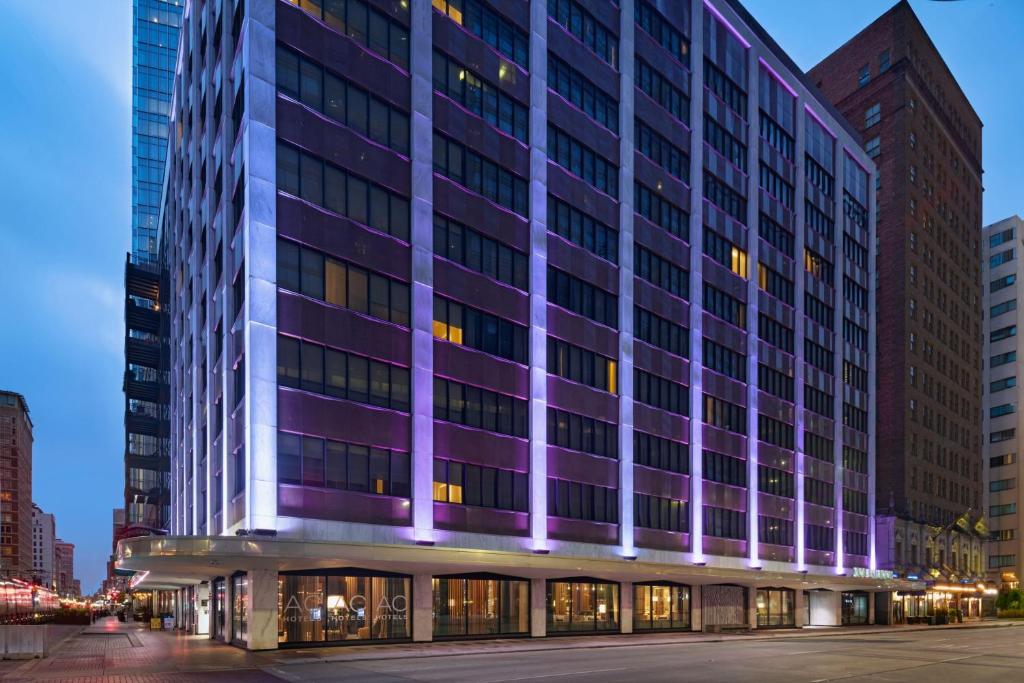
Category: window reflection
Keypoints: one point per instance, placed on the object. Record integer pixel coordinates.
(341, 607)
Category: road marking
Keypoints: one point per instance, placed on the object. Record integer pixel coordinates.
(567, 673)
(805, 652)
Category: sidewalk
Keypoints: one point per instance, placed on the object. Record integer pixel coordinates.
(356, 653)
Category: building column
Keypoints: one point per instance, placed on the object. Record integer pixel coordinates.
(422, 608)
(626, 607)
(871, 607)
(538, 608)
(752, 606)
(262, 615)
(202, 609)
(838, 607)
(799, 604)
(696, 620)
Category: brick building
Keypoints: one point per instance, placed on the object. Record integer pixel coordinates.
(891, 82)
(15, 487)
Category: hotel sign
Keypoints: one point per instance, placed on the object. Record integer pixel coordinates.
(864, 573)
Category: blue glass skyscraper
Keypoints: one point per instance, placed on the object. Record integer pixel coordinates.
(154, 49)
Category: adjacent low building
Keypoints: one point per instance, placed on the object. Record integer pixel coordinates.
(520, 318)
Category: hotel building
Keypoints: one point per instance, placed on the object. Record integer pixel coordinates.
(1001, 276)
(517, 318)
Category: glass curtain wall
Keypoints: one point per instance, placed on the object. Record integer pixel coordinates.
(239, 613)
(342, 606)
(582, 606)
(660, 606)
(481, 606)
(218, 594)
(776, 607)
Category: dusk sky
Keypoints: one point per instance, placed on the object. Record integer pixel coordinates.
(65, 188)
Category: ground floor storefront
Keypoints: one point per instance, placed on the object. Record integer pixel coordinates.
(377, 595)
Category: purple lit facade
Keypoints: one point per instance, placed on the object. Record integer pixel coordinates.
(466, 293)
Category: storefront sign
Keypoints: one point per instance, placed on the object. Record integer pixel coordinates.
(864, 573)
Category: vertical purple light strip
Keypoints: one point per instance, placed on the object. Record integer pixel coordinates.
(696, 290)
(538, 277)
(753, 305)
(799, 465)
(421, 49)
(872, 370)
(837, 371)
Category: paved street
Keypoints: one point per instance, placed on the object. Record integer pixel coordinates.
(976, 655)
(118, 653)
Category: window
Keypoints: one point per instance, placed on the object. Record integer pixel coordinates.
(582, 298)
(856, 335)
(483, 22)
(582, 605)
(1004, 307)
(479, 253)
(856, 376)
(1002, 510)
(1002, 283)
(659, 332)
(1000, 410)
(314, 86)
(855, 293)
(817, 220)
(856, 253)
(855, 417)
(774, 432)
(725, 88)
(873, 115)
(479, 97)
(659, 392)
(874, 147)
(1003, 333)
(1000, 237)
(479, 330)
(819, 177)
(583, 162)
(480, 408)
(1002, 435)
(665, 514)
(342, 284)
(775, 333)
(819, 447)
(588, 502)
(1001, 561)
(725, 198)
(864, 75)
(999, 259)
(725, 252)
(730, 147)
(310, 461)
(1002, 460)
(338, 191)
(582, 433)
(568, 222)
(654, 207)
(480, 175)
(725, 523)
(582, 365)
(311, 367)
(660, 272)
(776, 136)
(1001, 384)
(1003, 359)
(583, 93)
(775, 531)
(661, 151)
(819, 538)
(724, 360)
(1004, 534)
(365, 25)
(775, 235)
(660, 89)
(819, 402)
(855, 543)
(1002, 485)
(317, 607)
(660, 453)
(772, 182)
(666, 35)
(819, 267)
(855, 501)
(581, 24)
(883, 61)
(774, 382)
(468, 484)
(818, 311)
(468, 607)
(660, 605)
(724, 415)
(723, 468)
(721, 305)
(775, 283)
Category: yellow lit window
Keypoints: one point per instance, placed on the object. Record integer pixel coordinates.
(454, 334)
(440, 330)
(762, 277)
(612, 377)
(440, 492)
(378, 486)
(739, 262)
(336, 291)
(454, 493)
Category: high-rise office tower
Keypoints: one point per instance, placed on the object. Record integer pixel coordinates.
(1001, 275)
(154, 48)
(15, 487)
(893, 85)
(464, 297)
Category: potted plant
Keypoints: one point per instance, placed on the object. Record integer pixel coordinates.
(941, 616)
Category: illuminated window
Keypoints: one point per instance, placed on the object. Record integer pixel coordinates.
(739, 262)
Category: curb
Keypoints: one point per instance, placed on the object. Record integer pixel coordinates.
(838, 632)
